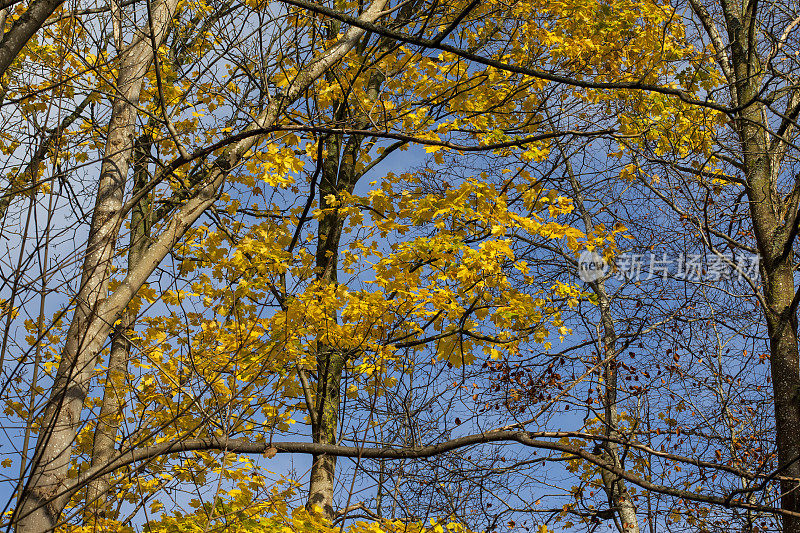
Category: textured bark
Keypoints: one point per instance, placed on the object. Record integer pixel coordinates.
(108, 423)
(330, 361)
(323, 467)
(774, 218)
(779, 292)
(774, 240)
(781, 316)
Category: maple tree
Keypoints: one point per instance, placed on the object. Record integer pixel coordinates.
(353, 231)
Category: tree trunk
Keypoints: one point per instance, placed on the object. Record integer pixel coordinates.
(111, 410)
(615, 487)
(330, 361)
(339, 175)
(774, 245)
(774, 242)
(784, 365)
(330, 366)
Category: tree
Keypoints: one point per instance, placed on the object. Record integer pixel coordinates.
(45, 493)
(266, 286)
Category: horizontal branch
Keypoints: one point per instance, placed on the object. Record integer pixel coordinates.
(257, 132)
(252, 132)
(529, 439)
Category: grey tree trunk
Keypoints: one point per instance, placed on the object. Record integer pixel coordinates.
(111, 410)
(774, 242)
(330, 360)
(774, 217)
